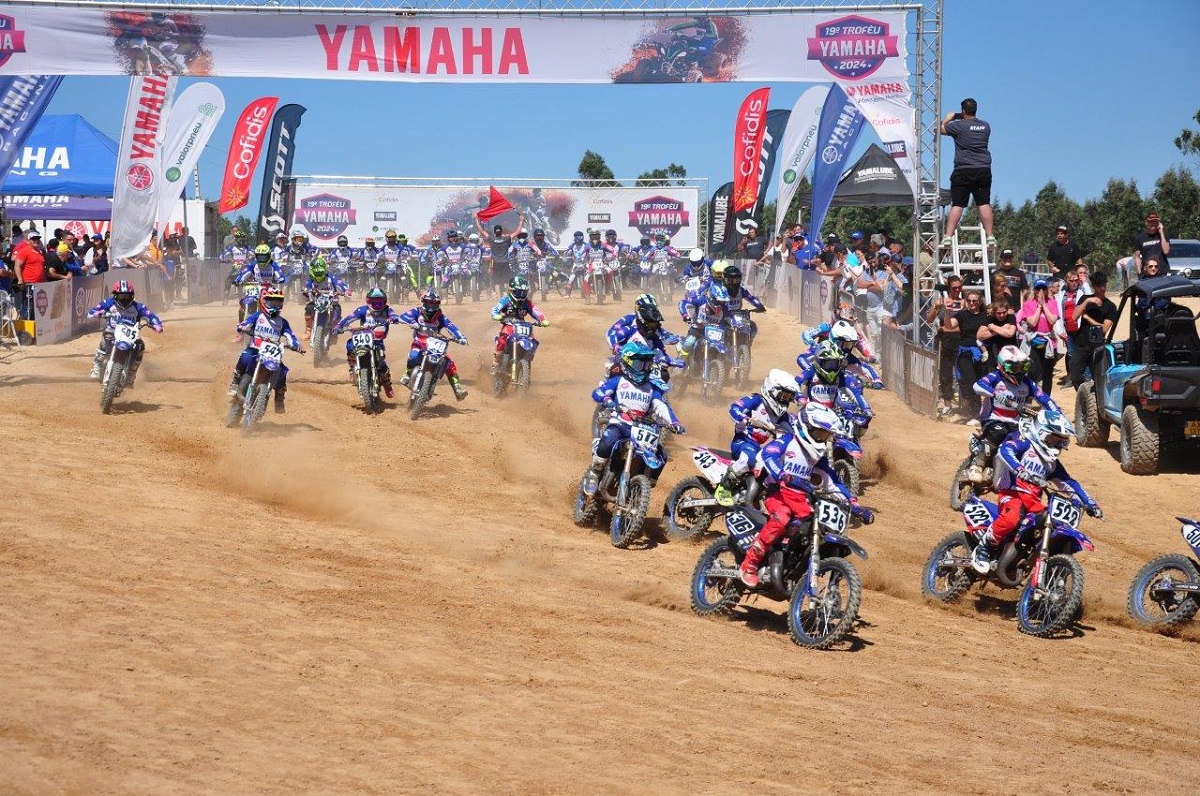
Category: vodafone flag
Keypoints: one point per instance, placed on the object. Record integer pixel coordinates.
(194, 116)
(138, 182)
(747, 147)
(244, 151)
(796, 151)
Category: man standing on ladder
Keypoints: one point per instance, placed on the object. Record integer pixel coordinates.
(972, 175)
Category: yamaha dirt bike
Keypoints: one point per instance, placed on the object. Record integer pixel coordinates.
(1039, 560)
(428, 371)
(323, 323)
(367, 345)
(598, 286)
(807, 568)
(516, 360)
(545, 276)
(845, 448)
(255, 387)
(664, 280)
(1166, 592)
(249, 302)
(962, 487)
(739, 347)
(707, 364)
(121, 353)
(625, 486)
(690, 506)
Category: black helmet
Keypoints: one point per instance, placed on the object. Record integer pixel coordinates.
(733, 278)
(539, 233)
(594, 234)
(645, 241)
(578, 236)
(647, 316)
(610, 234)
(343, 240)
(518, 288)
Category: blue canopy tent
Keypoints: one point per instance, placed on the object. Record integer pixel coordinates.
(66, 157)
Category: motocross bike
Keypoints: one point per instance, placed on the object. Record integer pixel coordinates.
(664, 279)
(121, 352)
(255, 387)
(961, 487)
(545, 276)
(690, 506)
(739, 347)
(249, 302)
(516, 360)
(428, 371)
(1039, 560)
(323, 323)
(1166, 592)
(625, 485)
(845, 448)
(807, 568)
(707, 364)
(367, 345)
(457, 284)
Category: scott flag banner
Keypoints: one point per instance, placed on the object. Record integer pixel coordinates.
(274, 208)
(841, 124)
(796, 150)
(887, 106)
(743, 220)
(23, 98)
(138, 182)
(747, 147)
(194, 117)
(244, 151)
(687, 48)
(720, 221)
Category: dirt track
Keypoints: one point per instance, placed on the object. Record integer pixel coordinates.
(348, 603)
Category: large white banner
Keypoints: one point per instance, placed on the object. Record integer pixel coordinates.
(356, 211)
(796, 149)
(194, 116)
(800, 46)
(138, 182)
(887, 107)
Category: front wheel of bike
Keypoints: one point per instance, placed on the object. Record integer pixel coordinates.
(1153, 599)
(1044, 611)
(112, 386)
(847, 472)
(586, 508)
(421, 397)
(713, 595)
(714, 380)
(627, 522)
(258, 408)
(822, 619)
(363, 381)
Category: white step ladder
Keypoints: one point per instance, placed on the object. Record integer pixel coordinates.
(971, 261)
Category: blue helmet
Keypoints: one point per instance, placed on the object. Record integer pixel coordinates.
(637, 361)
(717, 295)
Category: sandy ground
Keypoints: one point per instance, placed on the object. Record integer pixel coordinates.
(352, 603)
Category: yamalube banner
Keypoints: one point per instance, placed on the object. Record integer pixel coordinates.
(846, 48)
(356, 211)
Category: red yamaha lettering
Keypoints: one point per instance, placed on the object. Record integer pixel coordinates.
(443, 51)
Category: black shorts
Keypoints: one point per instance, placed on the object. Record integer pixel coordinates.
(965, 183)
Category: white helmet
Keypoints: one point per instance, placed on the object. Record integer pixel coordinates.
(779, 389)
(1050, 435)
(473, 238)
(696, 255)
(1013, 362)
(817, 425)
(844, 335)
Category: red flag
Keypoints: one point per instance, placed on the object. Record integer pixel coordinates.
(497, 204)
(747, 148)
(244, 152)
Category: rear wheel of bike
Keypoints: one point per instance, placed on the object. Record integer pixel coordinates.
(847, 473)
(961, 487)
(941, 580)
(687, 523)
(710, 388)
(627, 524)
(258, 408)
(1154, 601)
(365, 392)
(521, 385)
(116, 374)
(713, 595)
(586, 508)
(1043, 612)
(818, 621)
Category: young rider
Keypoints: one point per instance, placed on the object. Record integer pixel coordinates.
(643, 325)
(757, 419)
(515, 305)
(121, 308)
(425, 319)
(373, 315)
(262, 269)
(266, 325)
(1004, 393)
(320, 281)
(700, 310)
(738, 296)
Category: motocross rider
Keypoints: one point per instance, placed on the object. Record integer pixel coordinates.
(321, 281)
(262, 269)
(237, 254)
(547, 251)
(267, 324)
(450, 258)
(426, 318)
(738, 294)
(697, 265)
(757, 419)
(700, 310)
(373, 315)
(794, 462)
(121, 308)
(846, 337)
(514, 305)
(576, 254)
(1025, 466)
(395, 253)
(368, 261)
(632, 396)
(643, 325)
(297, 256)
(342, 257)
(825, 378)
(279, 250)
(522, 254)
(1004, 393)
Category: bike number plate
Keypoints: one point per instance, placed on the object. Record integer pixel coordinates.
(714, 334)
(522, 329)
(832, 516)
(125, 334)
(1191, 534)
(436, 345)
(692, 285)
(1064, 511)
(645, 436)
(270, 351)
(977, 515)
(251, 291)
(361, 340)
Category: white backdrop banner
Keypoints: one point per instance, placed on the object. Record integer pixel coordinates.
(326, 211)
(848, 48)
(194, 117)
(138, 182)
(887, 107)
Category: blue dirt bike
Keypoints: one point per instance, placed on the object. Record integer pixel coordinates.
(1166, 592)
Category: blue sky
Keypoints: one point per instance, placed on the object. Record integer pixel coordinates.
(1076, 91)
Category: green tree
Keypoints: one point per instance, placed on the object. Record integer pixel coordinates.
(1109, 223)
(594, 171)
(671, 175)
(1188, 140)
(1177, 200)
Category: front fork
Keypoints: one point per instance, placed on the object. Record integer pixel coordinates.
(623, 481)
(814, 560)
(1039, 566)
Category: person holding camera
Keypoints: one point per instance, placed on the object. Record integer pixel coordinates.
(972, 175)
(1095, 315)
(942, 313)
